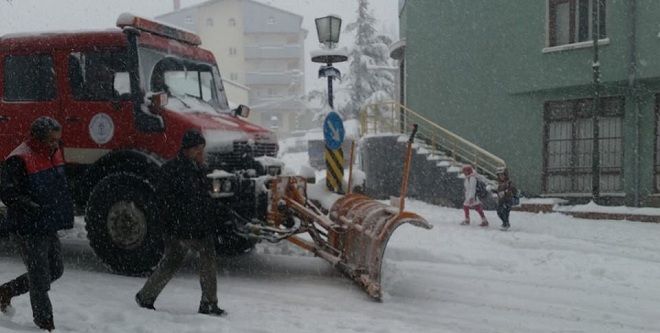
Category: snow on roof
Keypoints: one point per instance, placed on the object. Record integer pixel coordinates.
(211, 2)
(29, 34)
(343, 51)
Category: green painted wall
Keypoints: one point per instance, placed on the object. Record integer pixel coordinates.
(479, 68)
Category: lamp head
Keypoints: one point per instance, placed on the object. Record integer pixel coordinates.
(328, 29)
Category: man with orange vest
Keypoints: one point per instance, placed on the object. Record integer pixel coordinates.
(34, 188)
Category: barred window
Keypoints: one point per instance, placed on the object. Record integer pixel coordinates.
(568, 144)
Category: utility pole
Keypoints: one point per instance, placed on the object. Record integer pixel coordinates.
(595, 152)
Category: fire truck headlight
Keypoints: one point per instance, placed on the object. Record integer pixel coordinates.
(216, 185)
(221, 184)
(227, 186)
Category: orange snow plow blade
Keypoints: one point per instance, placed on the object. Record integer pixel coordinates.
(369, 225)
(352, 236)
(354, 233)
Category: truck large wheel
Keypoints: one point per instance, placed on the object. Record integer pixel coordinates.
(121, 222)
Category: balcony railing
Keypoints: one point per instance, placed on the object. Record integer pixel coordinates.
(273, 52)
(273, 78)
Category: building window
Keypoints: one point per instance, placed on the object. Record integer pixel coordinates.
(188, 20)
(233, 76)
(232, 22)
(271, 20)
(209, 22)
(568, 143)
(569, 21)
(232, 51)
(29, 78)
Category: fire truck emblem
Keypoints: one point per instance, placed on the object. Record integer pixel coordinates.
(101, 128)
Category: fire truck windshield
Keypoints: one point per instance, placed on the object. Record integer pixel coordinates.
(193, 85)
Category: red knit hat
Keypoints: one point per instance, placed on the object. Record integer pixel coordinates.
(468, 169)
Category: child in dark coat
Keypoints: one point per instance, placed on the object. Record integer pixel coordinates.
(505, 193)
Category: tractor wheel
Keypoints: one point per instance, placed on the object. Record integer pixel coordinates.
(230, 244)
(121, 222)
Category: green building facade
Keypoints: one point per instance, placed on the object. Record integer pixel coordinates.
(516, 78)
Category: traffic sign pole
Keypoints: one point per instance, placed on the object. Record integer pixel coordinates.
(333, 133)
(334, 162)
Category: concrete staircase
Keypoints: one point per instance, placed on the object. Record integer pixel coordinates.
(435, 177)
(437, 162)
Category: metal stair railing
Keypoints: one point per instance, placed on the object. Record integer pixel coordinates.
(393, 117)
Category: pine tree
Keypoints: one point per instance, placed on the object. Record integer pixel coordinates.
(371, 74)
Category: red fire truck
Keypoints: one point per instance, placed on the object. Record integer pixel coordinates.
(124, 98)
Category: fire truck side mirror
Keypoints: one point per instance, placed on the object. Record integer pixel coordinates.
(158, 100)
(242, 111)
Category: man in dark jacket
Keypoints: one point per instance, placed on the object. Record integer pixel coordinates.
(186, 210)
(33, 186)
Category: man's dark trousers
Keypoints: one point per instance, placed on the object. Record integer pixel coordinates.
(42, 255)
(175, 252)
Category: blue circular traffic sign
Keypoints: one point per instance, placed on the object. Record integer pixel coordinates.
(333, 130)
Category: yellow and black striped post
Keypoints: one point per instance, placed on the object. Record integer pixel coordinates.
(334, 163)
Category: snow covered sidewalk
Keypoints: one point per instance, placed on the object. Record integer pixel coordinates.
(591, 210)
(549, 273)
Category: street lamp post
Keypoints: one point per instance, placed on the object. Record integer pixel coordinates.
(328, 29)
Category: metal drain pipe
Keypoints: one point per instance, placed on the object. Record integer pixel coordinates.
(634, 92)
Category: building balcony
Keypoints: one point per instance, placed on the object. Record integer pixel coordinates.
(273, 52)
(273, 78)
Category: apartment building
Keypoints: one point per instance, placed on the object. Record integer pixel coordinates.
(260, 51)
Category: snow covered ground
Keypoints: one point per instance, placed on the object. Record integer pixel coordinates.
(549, 273)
